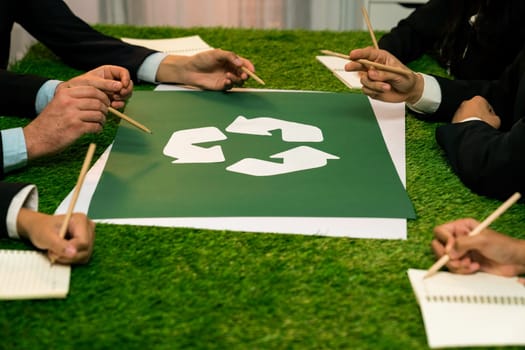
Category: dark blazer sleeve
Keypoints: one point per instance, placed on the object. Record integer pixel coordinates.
(73, 40)
(7, 192)
(18, 93)
(489, 161)
(505, 94)
(1, 159)
(418, 33)
(496, 37)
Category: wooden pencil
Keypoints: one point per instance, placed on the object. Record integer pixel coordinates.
(78, 186)
(483, 225)
(76, 192)
(364, 62)
(369, 25)
(253, 75)
(129, 120)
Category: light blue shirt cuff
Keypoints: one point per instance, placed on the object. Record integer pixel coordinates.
(26, 198)
(14, 149)
(148, 69)
(45, 94)
(431, 97)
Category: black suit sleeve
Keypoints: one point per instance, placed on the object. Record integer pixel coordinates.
(73, 40)
(506, 95)
(419, 33)
(1, 159)
(18, 93)
(472, 50)
(7, 192)
(489, 161)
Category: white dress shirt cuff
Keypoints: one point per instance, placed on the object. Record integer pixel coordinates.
(45, 94)
(470, 119)
(13, 148)
(431, 97)
(148, 69)
(26, 198)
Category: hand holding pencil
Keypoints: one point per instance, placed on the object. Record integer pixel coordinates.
(467, 246)
(76, 192)
(384, 77)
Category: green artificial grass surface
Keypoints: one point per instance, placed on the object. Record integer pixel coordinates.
(168, 288)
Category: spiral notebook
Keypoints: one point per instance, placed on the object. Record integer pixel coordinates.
(30, 275)
(470, 310)
(185, 46)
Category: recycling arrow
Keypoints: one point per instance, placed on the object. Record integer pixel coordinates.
(181, 146)
(291, 131)
(295, 159)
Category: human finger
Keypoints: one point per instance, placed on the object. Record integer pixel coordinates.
(232, 79)
(354, 66)
(232, 59)
(105, 85)
(91, 122)
(81, 235)
(58, 249)
(118, 73)
(118, 104)
(87, 92)
(438, 248)
(368, 53)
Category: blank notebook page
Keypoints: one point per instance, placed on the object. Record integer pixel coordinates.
(470, 310)
(30, 275)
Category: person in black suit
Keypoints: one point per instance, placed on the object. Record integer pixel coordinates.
(484, 140)
(464, 36)
(490, 251)
(82, 47)
(19, 218)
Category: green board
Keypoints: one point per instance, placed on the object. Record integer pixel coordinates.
(335, 162)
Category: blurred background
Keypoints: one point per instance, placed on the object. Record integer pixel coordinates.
(336, 15)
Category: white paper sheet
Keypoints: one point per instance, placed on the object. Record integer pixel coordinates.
(337, 66)
(185, 46)
(26, 274)
(470, 310)
(391, 119)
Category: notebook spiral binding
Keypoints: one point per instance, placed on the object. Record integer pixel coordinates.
(477, 299)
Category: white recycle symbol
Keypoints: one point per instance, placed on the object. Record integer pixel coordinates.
(182, 146)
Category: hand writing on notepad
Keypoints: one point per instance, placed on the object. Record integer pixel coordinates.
(489, 251)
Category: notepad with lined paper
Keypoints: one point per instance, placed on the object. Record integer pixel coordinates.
(470, 310)
(185, 46)
(30, 275)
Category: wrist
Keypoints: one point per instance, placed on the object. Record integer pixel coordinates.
(417, 89)
(520, 243)
(31, 148)
(23, 222)
(171, 69)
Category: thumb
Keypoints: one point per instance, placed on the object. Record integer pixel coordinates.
(58, 247)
